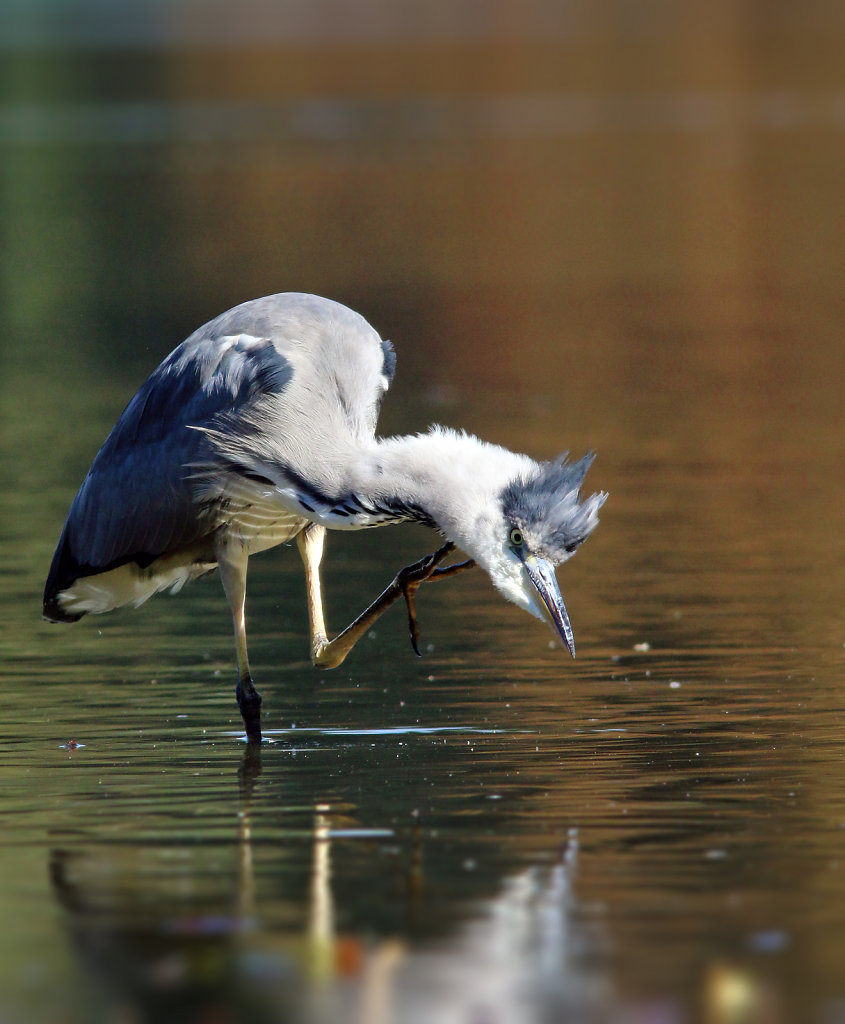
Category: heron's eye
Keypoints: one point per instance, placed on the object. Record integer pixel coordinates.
(515, 537)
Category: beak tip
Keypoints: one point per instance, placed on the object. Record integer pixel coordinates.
(542, 576)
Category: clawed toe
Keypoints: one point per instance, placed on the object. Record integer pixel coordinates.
(412, 577)
(409, 591)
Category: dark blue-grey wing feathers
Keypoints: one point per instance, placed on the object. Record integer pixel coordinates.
(138, 500)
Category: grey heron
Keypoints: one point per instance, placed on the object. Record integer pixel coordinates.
(260, 429)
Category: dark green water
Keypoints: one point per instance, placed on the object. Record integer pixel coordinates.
(579, 233)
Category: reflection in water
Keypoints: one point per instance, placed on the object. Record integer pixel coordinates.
(248, 775)
(321, 918)
(169, 932)
(162, 930)
(174, 932)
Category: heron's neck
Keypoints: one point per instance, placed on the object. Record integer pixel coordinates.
(444, 478)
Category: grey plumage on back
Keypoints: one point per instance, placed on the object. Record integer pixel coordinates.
(142, 498)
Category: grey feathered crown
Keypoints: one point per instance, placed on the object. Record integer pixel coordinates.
(544, 506)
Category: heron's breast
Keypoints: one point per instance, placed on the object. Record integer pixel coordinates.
(260, 527)
(249, 515)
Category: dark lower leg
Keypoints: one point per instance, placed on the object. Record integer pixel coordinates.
(249, 702)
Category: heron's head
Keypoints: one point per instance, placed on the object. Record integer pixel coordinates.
(539, 523)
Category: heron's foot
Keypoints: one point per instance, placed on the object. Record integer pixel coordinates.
(410, 579)
(330, 653)
(249, 702)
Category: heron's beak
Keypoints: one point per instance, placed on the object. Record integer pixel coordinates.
(542, 576)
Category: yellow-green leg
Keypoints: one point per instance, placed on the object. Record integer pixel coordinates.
(232, 560)
(327, 653)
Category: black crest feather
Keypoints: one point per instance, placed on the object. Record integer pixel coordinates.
(545, 507)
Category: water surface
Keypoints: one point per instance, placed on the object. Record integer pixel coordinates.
(578, 235)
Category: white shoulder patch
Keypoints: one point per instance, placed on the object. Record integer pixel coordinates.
(240, 342)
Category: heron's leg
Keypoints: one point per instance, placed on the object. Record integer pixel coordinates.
(310, 543)
(330, 653)
(232, 561)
